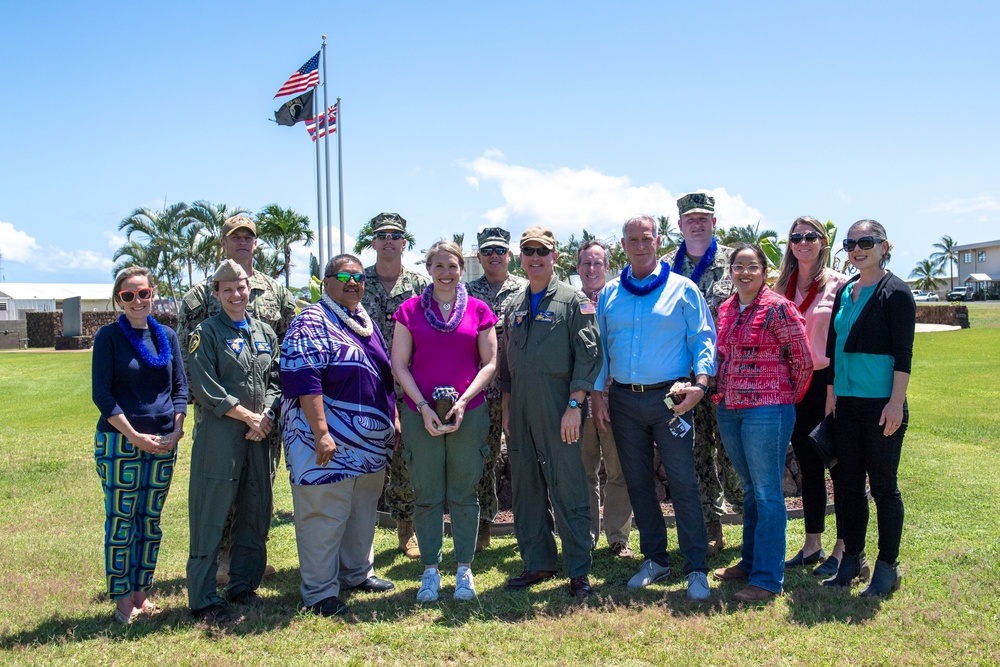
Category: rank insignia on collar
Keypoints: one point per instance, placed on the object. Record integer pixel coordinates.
(235, 344)
(519, 316)
(588, 308)
(194, 340)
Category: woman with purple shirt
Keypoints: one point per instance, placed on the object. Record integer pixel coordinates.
(445, 344)
(139, 385)
(339, 425)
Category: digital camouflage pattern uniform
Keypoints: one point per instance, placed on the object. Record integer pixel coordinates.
(499, 303)
(709, 454)
(381, 307)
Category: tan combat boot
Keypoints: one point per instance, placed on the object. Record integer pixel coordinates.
(483, 538)
(407, 539)
(716, 541)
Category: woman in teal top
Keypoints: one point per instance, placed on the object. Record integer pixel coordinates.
(870, 348)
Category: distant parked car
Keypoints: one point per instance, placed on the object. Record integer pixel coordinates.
(963, 293)
(920, 295)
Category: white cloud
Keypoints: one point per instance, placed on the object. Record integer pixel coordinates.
(16, 246)
(843, 196)
(570, 200)
(115, 241)
(56, 259)
(982, 203)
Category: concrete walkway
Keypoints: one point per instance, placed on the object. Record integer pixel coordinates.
(922, 328)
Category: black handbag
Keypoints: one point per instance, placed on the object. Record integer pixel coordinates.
(821, 438)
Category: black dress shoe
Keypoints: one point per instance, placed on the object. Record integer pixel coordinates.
(798, 560)
(579, 587)
(828, 568)
(213, 614)
(246, 597)
(331, 606)
(529, 578)
(374, 585)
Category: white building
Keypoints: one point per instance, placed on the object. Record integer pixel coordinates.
(18, 298)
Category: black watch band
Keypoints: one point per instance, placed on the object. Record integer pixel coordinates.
(703, 387)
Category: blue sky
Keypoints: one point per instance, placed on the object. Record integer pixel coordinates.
(459, 115)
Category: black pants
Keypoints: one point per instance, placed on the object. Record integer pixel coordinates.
(862, 450)
(809, 412)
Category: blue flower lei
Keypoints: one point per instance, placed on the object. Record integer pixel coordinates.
(159, 361)
(643, 290)
(461, 302)
(706, 260)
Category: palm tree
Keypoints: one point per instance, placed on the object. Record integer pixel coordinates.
(748, 234)
(458, 239)
(670, 239)
(946, 253)
(926, 272)
(269, 262)
(211, 217)
(134, 254)
(366, 234)
(280, 228)
(163, 232)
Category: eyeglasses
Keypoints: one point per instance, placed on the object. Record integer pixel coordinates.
(741, 268)
(382, 236)
(530, 252)
(127, 295)
(865, 243)
(810, 237)
(346, 277)
(489, 252)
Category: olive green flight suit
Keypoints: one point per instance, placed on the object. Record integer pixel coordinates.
(546, 357)
(229, 366)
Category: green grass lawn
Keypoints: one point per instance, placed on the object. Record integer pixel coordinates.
(53, 608)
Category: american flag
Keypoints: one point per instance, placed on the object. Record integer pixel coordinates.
(304, 78)
(311, 123)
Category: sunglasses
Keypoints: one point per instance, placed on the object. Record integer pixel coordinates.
(865, 243)
(382, 236)
(530, 252)
(127, 295)
(346, 277)
(810, 237)
(740, 268)
(489, 252)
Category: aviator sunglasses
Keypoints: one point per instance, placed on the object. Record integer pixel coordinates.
(346, 277)
(809, 237)
(865, 243)
(541, 252)
(382, 236)
(127, 295)
(489, 252)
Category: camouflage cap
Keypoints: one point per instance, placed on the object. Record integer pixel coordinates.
(388, 222)
(493, 237)
(238, 222)
(696, 202)
(229, 270)
(541, 235)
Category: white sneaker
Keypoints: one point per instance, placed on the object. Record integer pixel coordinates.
(647, 574)
(698, 587)
(430, 584)
(465, 587)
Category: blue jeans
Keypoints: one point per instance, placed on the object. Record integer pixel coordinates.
(640, 422)
(756, 440)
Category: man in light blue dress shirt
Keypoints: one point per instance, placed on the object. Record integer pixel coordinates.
(656, 328)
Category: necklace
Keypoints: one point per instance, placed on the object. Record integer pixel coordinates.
(364, 330)
(434, 320)
(703, 264)
(810, 295)
(141, 351)
(632, 288)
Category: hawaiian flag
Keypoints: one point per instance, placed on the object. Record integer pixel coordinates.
(311, 123)
(304, 78)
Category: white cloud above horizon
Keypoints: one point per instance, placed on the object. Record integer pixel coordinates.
(18, 246)
(981, 203)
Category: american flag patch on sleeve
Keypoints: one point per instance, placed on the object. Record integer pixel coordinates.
(588, 308)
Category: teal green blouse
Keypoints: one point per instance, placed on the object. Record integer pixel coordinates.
(859, 375)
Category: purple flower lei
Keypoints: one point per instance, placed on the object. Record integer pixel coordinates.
(456, 318)
(656, 283)
(706, 260)
(141, 351)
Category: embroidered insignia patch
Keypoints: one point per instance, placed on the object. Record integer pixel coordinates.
(194, 340)
(235, 344)
(545, 316)
(262, 346)
(588, 308)
(519, 316)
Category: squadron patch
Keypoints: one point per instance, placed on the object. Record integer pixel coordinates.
(194, 340)
(519, 316)
(235, 344)
(588, 308)
(262, 346)
(545, 316)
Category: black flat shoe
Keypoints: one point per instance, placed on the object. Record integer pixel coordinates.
(374, 585)
(798, 560)
(828, 568)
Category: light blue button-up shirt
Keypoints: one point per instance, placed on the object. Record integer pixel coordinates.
(648, 339)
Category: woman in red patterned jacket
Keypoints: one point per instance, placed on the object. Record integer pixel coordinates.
(764, 367)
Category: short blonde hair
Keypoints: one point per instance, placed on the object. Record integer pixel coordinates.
(131, 272)
(449, 247)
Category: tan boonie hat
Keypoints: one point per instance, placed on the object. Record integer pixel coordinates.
(541, 235)
(696, 202)
(238, 222)
(228, 270)
(493, 237)
(388, 222)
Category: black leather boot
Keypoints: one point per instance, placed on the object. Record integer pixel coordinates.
(885, 580)
(851, 568)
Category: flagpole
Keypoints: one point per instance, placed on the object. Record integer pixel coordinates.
(319, 192)
(326, 144)
(340, 171)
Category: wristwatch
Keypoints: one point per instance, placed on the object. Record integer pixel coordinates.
(575, 404)
(704, 388)
(269, 413)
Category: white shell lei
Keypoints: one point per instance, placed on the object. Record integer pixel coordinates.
(341, 312)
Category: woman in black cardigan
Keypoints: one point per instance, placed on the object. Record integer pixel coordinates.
(870, 348)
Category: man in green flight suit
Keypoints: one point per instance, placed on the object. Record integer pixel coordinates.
(235, 378)
(549, 361)
(270, 302)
